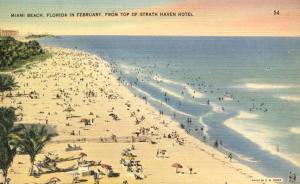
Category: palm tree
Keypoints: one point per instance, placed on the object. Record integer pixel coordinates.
(32, 141)
(7, 83)
(8, 150)
(7, 119)
(7, 154)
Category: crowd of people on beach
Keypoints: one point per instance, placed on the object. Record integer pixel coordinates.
(64, 98)
(134, 166)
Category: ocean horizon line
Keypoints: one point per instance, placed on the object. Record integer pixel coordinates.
(186, 36)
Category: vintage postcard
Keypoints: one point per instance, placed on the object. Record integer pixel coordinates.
(149, 91)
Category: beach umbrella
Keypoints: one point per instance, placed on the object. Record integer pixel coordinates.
(107, 167)
(84, 120)
(69, 109)
(54, 179)
(177, 165)
(82, 154)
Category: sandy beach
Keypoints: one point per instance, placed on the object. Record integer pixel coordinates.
(77, 94)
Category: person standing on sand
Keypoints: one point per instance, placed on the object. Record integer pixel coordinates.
(191, 170)
(290, 177)
(230, 157)
(216, 144)
(294, 177)
(96, 178)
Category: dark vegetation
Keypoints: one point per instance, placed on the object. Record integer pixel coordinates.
(14, 53)
(33, 36)
(16, 139)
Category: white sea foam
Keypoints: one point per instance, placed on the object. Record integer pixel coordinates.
(193, 93)
(258, 134)
(240, 156)
(127, 69)
(124, 66)
(295, 130)
(189, 89)
(227, 98)
(217, 108)
(290, 98)
(165, 80)
(266, 86)
(204, 125)
(246, 115)
(162, 89)
(163, 103)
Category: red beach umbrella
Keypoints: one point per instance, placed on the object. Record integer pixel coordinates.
(177, 165)
(105, 166)
(54, 179)
(82, 154)
(84, 120)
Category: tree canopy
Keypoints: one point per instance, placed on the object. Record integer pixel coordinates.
(13, 52)
(33, 140)
(7, 82)
(7, 119)
(7, 149)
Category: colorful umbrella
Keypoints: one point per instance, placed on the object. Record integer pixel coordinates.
(105, 166)
(69, 109)
(84, 120)
(54, 179)
(177, 165)
(82, 154)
